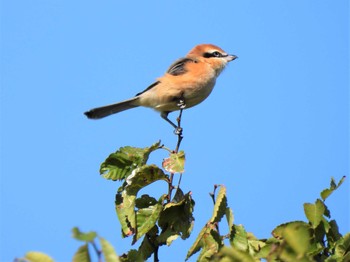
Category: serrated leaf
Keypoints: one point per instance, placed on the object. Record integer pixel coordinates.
(197, 245)
(333, 234)
(142, 177)
(327, 212)
(229, 217)
(176, 219)
(125, 208)
(82, 255)
(234, 255)
(179, 195)
(342, 246)
(298, 238)
(314, 212)
(326, 225)
(211, 243)
(208, 241)
(126, 196)
(148, 245)
(131, 256)
(265, 251)
(220, 205)
(315, 248)
(34, 256)
(120, 164)
(108, 251)
(278, 231)
(175, 163)
(333, 186)
(239, 238)
(147, 217)
(145, 201)
(254, 244)
(346, 242)
(87, 237)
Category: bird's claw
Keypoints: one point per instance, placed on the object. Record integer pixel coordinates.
(178, 131)
(181, 104)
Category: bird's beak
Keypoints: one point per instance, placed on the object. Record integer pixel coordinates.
(230, 58)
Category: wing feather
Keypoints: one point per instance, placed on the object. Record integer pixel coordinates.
(179, 66)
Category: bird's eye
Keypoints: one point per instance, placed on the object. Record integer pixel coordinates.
(212, 54)
(217, 54)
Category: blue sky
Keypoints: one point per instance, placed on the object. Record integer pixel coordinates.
(274, 130)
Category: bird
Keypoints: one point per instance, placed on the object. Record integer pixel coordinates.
(187, 82)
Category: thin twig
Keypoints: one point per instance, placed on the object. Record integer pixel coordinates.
(179, 136)
(155, 257)
(170, 186)
(178, 131)
(98, 252)
(178, 183)
(212, 195)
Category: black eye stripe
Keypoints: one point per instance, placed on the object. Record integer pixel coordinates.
(213, 54)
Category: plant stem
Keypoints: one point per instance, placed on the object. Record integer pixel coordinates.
(179, 136)
(98, 252)
(170, 186)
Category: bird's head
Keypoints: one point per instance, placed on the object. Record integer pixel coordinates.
(213, 55)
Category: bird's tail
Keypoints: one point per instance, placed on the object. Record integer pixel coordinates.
(104, 111)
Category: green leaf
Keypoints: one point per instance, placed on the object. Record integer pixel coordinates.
(320, 231)
(211, 242)
(34, 256)
(278, 231)
(179, 195)
(298, 238)
(148, 246)
(239, 238)
(175, 163)
(147, 217)
(333, 234)
(208, 240)
(314, 212)
(132, 256)
(220, 205)
(82, 255)
(125, 207)
(342, 246)
(265, 250)
(232, 254)
(142, 177)
(254, 244)
(145, 201)
(229, 217)
(108, 251)
(176, 219)
(126, 196)
(87, 237)
(333, 186)
(120, 164)
(197, 245)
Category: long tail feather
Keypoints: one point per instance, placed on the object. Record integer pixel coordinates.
(104, 111)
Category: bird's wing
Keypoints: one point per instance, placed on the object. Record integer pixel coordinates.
(148, 88)
(178, 67)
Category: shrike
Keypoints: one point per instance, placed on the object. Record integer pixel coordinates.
(186, 83)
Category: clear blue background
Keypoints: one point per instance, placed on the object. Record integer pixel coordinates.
(274, 130)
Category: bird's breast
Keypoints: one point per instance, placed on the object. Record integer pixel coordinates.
(194, 88)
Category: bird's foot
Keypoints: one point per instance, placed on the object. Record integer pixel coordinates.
(178, 131)
(181, 103)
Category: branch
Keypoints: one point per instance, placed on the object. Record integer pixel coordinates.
(179, 135)
(98, 252)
